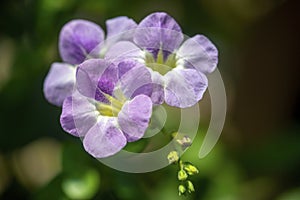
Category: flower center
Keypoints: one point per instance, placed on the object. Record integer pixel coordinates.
(162, 64)
(112, 108)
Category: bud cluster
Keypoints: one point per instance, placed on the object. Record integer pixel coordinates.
(186, 169)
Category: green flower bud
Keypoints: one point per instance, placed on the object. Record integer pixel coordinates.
(182, 175)
(173, 157)
(190, 169)
(190, 187)
(181, 190)
(174, 134)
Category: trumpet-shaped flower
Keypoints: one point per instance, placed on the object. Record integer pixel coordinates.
(110, 106)
(178, 68)
(80, 40)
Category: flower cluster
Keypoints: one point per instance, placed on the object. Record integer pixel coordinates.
(108, 86)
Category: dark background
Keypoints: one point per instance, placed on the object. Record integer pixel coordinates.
(258, 155)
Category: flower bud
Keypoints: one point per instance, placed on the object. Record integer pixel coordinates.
(190, 187)
(191, 169)
(182, 175)
(173, 157)
(174, 134)
(181, 190)
(184, 142)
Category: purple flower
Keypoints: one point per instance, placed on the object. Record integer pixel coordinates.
(178, 67)
(110, 106)
(80, 40)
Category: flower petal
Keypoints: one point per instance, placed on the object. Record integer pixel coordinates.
(118, 29)
(94, 77)
(59, 83)
(125, 66)
(157, 95)
(141, 80)
(104, 138)
(158, 31)
(78, 115)
(135, 116)
(118, 26)
(134, 79)
(199, 52)
(184, 87)
(108, 80)
(123, 50)
(77, 39)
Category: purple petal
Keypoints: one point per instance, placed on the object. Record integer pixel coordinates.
(125, 66)
(119, 26)
(107, 81)
(118, 29)
(77, 39)
(123, 50)
(184, 87)
(59, 83)
(158, 31)
(66, 119)
(78, 115)
(104, 138)
(152, 87)
(157, 95)
(135, 116)
(199, 53)
(94, 77)
(136, 80)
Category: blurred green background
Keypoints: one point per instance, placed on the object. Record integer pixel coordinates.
(258, 154)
